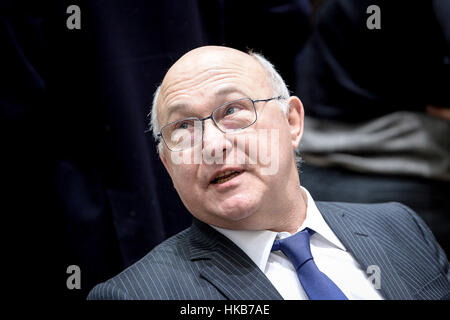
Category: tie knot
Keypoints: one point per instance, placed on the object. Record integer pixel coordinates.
(295, 247)
(315, 283)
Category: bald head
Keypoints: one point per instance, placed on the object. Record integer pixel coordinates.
(205, 58)
(204, 64)
(207, 68)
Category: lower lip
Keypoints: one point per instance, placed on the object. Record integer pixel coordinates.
(227, 184)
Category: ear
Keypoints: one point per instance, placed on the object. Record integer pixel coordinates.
(295, 117)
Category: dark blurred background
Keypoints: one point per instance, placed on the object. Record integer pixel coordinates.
(84, 185)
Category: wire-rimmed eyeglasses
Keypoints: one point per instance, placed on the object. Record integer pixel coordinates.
(229, 117)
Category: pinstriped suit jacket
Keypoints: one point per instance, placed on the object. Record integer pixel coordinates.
(200, 263)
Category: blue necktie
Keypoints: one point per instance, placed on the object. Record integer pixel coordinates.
(315, 283)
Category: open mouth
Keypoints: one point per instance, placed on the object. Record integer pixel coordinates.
(225, 176)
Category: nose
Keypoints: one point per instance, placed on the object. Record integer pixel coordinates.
(215, 144)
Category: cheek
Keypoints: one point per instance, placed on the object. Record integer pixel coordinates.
(267, 146)
(183, 177)
(184, 182)
(257, 144)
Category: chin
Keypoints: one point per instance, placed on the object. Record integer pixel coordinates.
(236, 208)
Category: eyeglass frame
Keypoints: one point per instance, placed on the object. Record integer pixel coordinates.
(202, 120)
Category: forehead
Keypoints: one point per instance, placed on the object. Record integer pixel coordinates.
(207, 73)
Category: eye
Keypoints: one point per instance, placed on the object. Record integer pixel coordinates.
(184, 125)
(230, 110)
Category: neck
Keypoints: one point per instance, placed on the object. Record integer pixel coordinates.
(291, 211)
(295, 215)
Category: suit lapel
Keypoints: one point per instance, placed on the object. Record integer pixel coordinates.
(364, 246)
(227, 267)
(234, 274)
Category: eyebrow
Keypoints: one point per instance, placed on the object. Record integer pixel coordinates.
(181, 107)
(176, 108)
(228, 90)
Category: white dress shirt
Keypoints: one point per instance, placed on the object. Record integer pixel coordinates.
(328, 252)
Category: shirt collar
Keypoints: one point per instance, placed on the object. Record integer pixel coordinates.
(315, 221)
(258, 244)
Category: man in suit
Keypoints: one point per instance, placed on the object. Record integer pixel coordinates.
(257, 234)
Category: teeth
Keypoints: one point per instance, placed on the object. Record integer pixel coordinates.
(227, 178)
(225, 173)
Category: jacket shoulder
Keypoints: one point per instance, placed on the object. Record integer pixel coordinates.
(161, 274)
(403, 236)
(372, 213)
